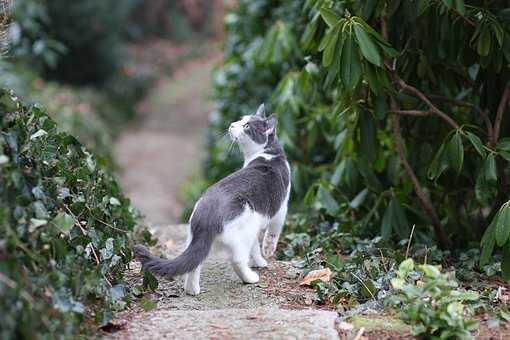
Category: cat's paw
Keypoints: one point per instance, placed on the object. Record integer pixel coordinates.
(269, 245)
(258, 263)
(250, 277)
(192, 289)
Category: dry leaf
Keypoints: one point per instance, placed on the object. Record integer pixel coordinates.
(321, 274)
(501, 296)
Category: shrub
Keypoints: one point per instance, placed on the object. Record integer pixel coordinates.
(65, 229)
(386, 121)
(432, 304)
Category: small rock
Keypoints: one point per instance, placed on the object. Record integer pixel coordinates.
(291, 273)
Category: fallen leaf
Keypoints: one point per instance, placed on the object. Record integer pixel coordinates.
(501, 296)
(321, 274)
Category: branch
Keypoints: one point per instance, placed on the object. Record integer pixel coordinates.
(426, 204)
(417, 93)
(482, 113)
(501, 110)
(418, 113)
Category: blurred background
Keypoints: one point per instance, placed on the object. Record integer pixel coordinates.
(394, 116)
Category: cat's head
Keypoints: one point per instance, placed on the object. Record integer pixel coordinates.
(254, 132)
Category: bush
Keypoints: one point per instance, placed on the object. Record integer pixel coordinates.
(65, 229)
(386, 121)
(431, 302)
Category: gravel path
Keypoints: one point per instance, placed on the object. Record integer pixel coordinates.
(157, 157)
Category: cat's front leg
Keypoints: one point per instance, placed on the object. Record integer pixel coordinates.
(273, 232)
(257, 260)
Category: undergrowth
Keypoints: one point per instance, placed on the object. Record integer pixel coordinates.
(65, 229)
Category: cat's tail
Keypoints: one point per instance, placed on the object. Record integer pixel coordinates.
(195, 253)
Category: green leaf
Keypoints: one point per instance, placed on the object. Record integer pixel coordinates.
(148, 304)
(461, 8)
(359, 199)
(329, 16)
(405, 267)
(505, 264)
(490, 168)
(455, 152)
(502, 231)
(487, 243)
(448, 3)
(438, 164)
(351, 68)
(484, 42)
(327, 201)
(368, 139)
(367, 46)
(63, 222)
(476, 142)
(331, 48)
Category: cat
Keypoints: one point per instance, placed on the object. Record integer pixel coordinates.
(232, 213)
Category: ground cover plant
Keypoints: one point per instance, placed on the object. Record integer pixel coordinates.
(65, 229)
(393, 114)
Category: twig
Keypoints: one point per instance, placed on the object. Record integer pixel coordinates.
(409, 242)
(482, 113)
(364, 285)
(418, 113)
(7, 281)
(103, 222)
(417, 93)
(359, 334)
(76, 221)
(501, 110)
(427, 205)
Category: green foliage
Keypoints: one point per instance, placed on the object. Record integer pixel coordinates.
(92, 33)
(431, 302)
(348, 80)
(30, 38)
(65, 229)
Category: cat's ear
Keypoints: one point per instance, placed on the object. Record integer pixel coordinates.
(272, 121)
(261, 111)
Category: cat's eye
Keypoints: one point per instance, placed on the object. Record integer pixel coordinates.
(246, 126)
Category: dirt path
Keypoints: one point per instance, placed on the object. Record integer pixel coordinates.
(157, 157)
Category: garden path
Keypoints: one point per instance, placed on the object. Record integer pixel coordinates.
(157, 155)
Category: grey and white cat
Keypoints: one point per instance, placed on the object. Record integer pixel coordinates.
(232, 213)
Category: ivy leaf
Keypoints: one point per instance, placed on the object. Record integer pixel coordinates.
(64, 222)
(148, 304)
(327, 201)
(367, 47)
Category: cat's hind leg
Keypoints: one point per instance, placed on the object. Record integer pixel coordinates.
(239, 237)
(192, 281)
